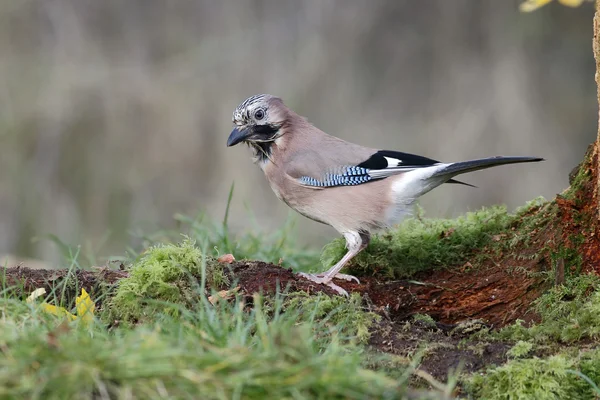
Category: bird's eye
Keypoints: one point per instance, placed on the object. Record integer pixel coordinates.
(259, 114)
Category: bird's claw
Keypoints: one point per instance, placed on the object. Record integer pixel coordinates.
(321, 279)
(346, 277)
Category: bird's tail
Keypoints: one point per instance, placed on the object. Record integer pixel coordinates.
(457, 168)
(419, 181)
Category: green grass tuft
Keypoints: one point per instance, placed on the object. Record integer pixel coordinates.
(215, 352)
(422, 244)
(344, 315)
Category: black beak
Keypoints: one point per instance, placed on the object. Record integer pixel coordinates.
(238, 135)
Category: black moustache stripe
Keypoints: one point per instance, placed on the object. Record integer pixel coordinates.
(265, 131)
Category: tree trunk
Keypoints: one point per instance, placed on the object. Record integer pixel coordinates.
(596, 48)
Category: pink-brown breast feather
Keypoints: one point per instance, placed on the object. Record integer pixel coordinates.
(361, 207)
(303, 150)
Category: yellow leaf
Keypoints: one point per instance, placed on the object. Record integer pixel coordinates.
(571, 3)
(35, 294)
(58, 311)
(85, 307)
(223, 294)
(531, 5)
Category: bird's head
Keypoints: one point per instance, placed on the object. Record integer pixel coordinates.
(258, 121)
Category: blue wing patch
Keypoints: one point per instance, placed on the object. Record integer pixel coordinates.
(349, 176)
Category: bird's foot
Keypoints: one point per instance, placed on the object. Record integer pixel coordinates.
(345, 277)
(323, 280)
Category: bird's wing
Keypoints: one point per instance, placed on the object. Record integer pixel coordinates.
(337, 171)
(386, 163)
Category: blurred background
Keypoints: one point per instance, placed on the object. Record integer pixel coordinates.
(114, 114)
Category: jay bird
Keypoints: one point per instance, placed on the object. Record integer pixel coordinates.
(352, 188)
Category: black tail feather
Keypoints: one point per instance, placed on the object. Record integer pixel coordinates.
(483, 163)
(461, 183)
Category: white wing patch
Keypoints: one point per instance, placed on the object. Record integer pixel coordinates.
(392, 162)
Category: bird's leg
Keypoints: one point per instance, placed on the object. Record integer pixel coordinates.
(355, 242)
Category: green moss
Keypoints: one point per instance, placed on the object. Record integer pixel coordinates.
(578, 178)
(589, 368)
(535, 215)
(569, 313)
(346, 315)
(526, 379)
(557, 377)
(520, 349)
(421, 244)
(167, 274)
(424, 319)
(569, 255)
(572, 236)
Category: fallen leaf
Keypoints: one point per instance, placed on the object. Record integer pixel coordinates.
(35, 294)
(226, 258)
(531, 5)
(571, 3)
(58, 311)
(85, 307)
(223, 294)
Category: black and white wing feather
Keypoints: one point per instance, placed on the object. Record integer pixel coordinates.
(386, 163)
(380, 165)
